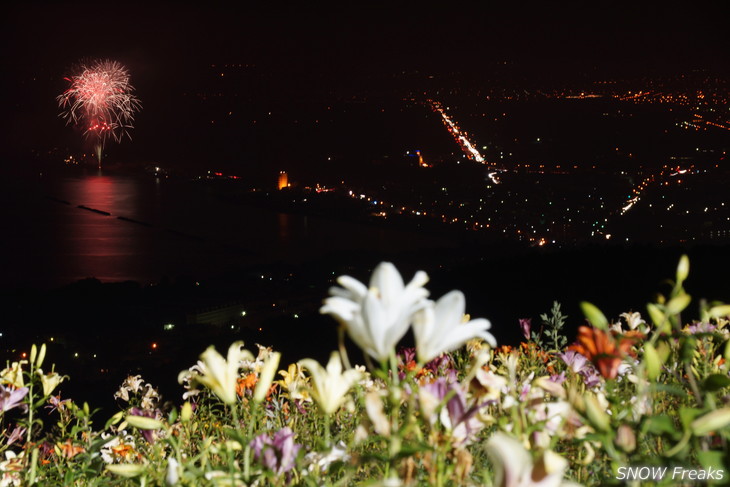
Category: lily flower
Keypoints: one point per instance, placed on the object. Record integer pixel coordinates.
(267, 376)
(377, 317)
(277, 453)
(16, 435)
(294, 383)
(119, 449)
(13, 375)
(12, 398)
(133, 384)
(575, 361)
(220, 374)
(12, 468)
(440, 328)
(525, 327)
(486, 385)
(330, 386)
(459, 419)
(50, 381)
(68, 450)
(322, 461)
(603, 349)
(514, 467)
(634, 320)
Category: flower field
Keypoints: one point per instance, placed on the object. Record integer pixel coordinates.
(639, 399)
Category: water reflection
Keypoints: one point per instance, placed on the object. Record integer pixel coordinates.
(112, 194)
(97, 245)
(167, 228)
(284, 230)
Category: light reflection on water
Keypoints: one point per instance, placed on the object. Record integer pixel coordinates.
(160, 228)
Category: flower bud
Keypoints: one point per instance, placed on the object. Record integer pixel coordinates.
(720, 311)
(186, 413)
(41, 356)
(682, 269)
(115, 419)
(656, 314)
(711, 421)
(128, 470)
(626, 438)
(678, 303)
(596, 414)
(594, 315)
(172, 477)
(663, 350)
(144, 423)
(652, 362)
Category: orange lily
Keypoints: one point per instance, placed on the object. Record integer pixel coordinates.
(68, 450)
(604, 350)
(248, 382)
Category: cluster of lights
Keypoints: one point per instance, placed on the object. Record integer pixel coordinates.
(637, 194)
(700, 123)
(461, 137)
(667, 171)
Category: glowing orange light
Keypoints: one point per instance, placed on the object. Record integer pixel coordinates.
(154, 345)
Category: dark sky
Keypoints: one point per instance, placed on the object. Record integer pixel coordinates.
(316, 37)
(168, 47)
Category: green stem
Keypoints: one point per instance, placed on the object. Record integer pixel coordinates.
(679, 446)
(341, 346)
(249, 435)
(394, 367)
(31, 402)
(327, 432)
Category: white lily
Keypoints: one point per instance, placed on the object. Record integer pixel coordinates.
(173, 475)
(440, 328)
(633, 319)
(49, 381)
(330, 386)
(268, 370)
(377, 317)
(513, 465)
(221, 373)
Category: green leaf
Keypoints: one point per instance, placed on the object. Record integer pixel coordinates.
(687, 415)
(715, 382)
(711, 459)
(687, 350)
(662, 424)
(594, 315)
(671, 389)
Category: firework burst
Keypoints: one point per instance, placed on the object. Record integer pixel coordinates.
(101, 102)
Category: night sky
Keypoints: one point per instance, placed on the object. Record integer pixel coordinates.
(169, 48)
(313, 37)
